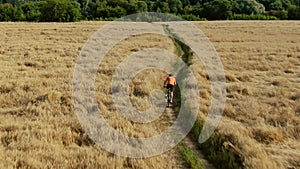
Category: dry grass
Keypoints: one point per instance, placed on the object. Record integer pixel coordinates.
(39, 128)
(262, 66)
(140, 88)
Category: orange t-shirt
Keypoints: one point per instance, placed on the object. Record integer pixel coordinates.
(171, 80)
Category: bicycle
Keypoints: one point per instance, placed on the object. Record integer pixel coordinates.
(168, 96)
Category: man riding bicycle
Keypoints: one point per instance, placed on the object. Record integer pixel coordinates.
(170, 83)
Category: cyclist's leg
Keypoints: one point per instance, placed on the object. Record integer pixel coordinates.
(167, 93)
(171, 87)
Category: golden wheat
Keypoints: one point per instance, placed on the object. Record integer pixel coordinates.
(39, 128)
(261, 63)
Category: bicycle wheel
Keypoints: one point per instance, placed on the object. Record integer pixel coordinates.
(169, 98)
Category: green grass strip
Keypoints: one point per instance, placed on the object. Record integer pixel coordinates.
(190, 157)
(215, 151)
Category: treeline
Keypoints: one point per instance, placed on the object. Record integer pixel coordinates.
(76, 10)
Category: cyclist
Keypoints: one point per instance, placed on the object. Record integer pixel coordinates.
(170, 83)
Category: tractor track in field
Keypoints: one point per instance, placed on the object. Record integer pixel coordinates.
(170, 115)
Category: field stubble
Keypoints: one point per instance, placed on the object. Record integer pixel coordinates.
(39, 128)
(262, 65)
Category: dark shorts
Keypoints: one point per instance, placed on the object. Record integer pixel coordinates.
(171, 87)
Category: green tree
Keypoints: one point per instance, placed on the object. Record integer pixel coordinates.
(141, 6)
(250, 7)
(294, 12)
(90, 11)
(9, 12)
(32, 10)
(74, 12)
(117, 12)
(59, 11)
(280, 14)
(107, 12)
(185, 3)
(276, 5)
(150, 5)
(175, 6)
(161, 6)
(217, 9)
(120, 3)
(131, 8)
(286, 4)
(136, 7)
(165, 7)
(102, 10)
(266, 3)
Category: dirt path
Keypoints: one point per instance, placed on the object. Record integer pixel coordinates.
(169, 117)
(193, 146)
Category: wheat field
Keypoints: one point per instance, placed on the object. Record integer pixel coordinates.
(262, 66)
(39, 128)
